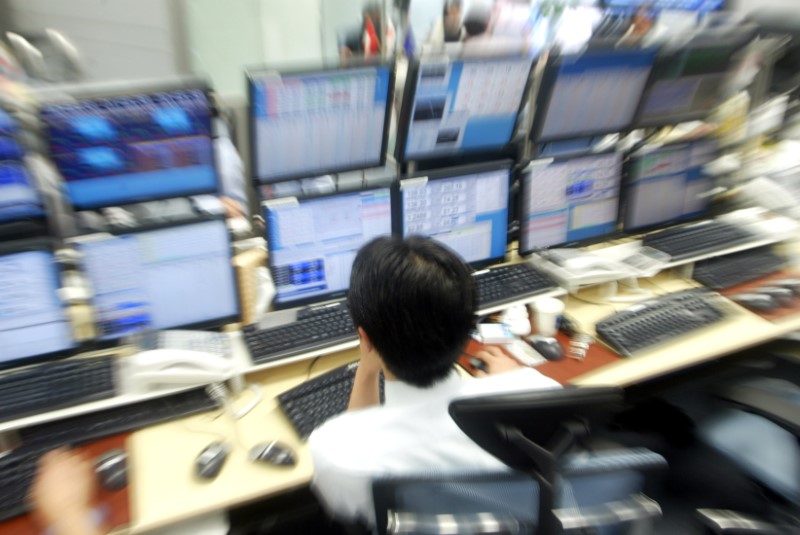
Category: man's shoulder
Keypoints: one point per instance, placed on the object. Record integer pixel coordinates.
(349, 436)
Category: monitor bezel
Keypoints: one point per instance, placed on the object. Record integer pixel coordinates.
(524, 185)
(74, 93)
(328, 296)
(409, 93)
(251, 76)
(627, 182)
(210, 324)
(455, 172)
(46, 245)
(548, 84)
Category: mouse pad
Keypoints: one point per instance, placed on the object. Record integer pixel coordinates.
(776, 314)
(112, 505)
(563, 371)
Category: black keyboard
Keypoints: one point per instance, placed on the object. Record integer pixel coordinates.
(505, 284)
(697, 238)
(659, 320)
(314, 402)
(734, 269)
(55, 385)
(18, 468)
(316, 328)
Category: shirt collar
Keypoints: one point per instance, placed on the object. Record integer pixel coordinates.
(398, 393)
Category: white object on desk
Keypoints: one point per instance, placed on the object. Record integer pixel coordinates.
(158, 368)
(518, 320)
(547, 312)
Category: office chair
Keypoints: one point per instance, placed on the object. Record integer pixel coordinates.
(554, 487)
(758, 430)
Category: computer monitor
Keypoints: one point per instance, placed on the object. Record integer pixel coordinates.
(688, 83)
(312, 242)
(33, 321)
(702, 6)
(465, 208)
(569, 201)
(118, 149)
(593, 93)
(466, 106)
(19, 197)
(171, 277)
(306, 124)
(667, 185)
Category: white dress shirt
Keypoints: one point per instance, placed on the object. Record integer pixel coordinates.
(412, 433)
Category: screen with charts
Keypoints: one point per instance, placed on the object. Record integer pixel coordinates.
(305, 125)
(463, 106)
(668, 185)
(161, 279)
(33, 322)
(121, 150)
(569, 201)
(597, 92)
(313, 242)
(19, 198)
(464, 208)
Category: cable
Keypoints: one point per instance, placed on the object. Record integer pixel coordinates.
(311, 367)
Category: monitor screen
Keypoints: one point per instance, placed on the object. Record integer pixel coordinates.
(679, 5)
(464, 208)
(121, 150)
(172, 277)
(597, 92)
(19, 198)
(33, 322)
(568, 201)
(668, 185)
(463, 106)
(313, 242)
(315, 123)
(686, 84)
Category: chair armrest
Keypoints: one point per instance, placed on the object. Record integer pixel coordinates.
(636, 459)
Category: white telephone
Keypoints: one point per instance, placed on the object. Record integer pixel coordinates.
(157, 368)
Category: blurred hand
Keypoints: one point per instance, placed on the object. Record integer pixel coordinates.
(233, 208)
(496, 361)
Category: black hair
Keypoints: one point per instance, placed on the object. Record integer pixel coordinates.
(415, 299)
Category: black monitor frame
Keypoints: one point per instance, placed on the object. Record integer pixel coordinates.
(252, 74)
(628, 180)
(547, 88)
(329, 296)
(74, 93)
(409, 94)
(46, 245)
(211, 324)
(523, 190)
(455, 172)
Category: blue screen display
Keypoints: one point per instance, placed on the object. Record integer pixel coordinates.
(19, 198)
(115, 151)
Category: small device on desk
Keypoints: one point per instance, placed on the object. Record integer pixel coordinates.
(156, 368)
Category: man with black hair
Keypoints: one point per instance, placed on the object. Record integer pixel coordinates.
(413, 302)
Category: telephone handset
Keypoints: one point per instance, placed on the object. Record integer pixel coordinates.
(154, 368)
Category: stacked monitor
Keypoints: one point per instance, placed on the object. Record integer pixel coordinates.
(311, 123)
(313, 242)
(458, 107)
(19, 197)
(667, 185)
(464, 208)
(116, 149)
(568, 201)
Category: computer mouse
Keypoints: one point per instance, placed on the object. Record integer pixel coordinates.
(791, 284)
(783, 296)
(754, 301)
(273, 452)
(547, 346)
(111, 469)
(210, 461)
(478, 364)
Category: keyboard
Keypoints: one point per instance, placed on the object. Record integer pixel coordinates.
(317, 400)
(734, 269)
(55, 385)
(18, 468)
(697, 238)
(315, 328)
(659, 320)
(512, 282)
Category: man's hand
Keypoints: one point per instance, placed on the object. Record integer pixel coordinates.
(365, 384)
(496, 361)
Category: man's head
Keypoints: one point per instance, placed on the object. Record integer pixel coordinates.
(415, 300)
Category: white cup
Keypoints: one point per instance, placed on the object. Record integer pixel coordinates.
(547, 311)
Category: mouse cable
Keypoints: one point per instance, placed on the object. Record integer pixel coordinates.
(219, 393)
